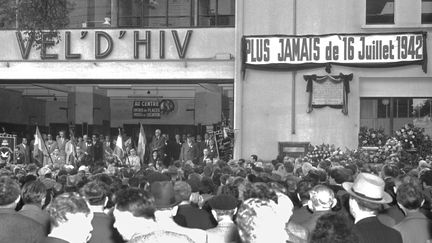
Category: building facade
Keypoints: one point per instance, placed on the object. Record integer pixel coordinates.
(271, 106)
(114, 52)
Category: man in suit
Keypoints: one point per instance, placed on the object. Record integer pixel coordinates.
(71, 219)
(83, 142)
(415, 227)
(224, 206)
(366, 197)
(213, 149)
(34, 195)
(51, 145)
(158, 143)
(95, 149)
(15, 227)
(189, 151)
(61, 143)
(24, 151)
(96, 194)
(201, 144)
(206, 157)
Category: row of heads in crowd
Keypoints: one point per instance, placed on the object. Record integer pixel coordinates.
(107, 138)
(255, 201)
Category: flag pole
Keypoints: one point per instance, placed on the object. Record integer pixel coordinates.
(216, 144)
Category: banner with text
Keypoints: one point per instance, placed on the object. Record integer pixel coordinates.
(361, 50)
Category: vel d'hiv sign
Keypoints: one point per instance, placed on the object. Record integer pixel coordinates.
(288, 52)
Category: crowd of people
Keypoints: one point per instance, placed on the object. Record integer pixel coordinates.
(183, 192)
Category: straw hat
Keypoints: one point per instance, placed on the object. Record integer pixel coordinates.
(369, 188)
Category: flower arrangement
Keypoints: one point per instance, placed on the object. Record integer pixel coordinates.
(391, 151)
(410, 136)
(369, 137)
(319, 153)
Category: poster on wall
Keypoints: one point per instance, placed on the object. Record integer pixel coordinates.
(151, 109)
(224, 138)
(288, 52)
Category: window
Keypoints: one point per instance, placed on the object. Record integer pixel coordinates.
(7, 20)
(380, 11)
(422, 107)
(175, 13)
(404, 107)
(137, 13)
(426, 17)
(383, 110)
(391, 113)
(89, 13)
(216, 13)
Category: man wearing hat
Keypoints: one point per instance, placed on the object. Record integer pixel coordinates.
(224, 207)
(367, 196)
(189, 151)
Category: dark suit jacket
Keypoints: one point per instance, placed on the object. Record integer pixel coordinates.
(201, 146)
(103, 230)
(25, 153)
(193, 217)
(54, 240)
(213, 151)
(62, 145)
(17, 228)
(189, 153)
(158, 144)
(415, 227)
(301, 215)
(95, 151)
(37, 214)
(370, 230)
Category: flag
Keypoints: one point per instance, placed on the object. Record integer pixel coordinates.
(141, 144)
(70, 148)
(39, 142)
(225, 132)
(118, 150)
(39, 147)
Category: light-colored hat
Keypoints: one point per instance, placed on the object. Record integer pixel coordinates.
(83, 168)
(424, 164)
(44, 170)
(369, 188)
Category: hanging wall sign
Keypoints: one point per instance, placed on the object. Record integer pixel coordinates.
(310, 51)
(151, 109)
(7, 148)
(146, 109)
